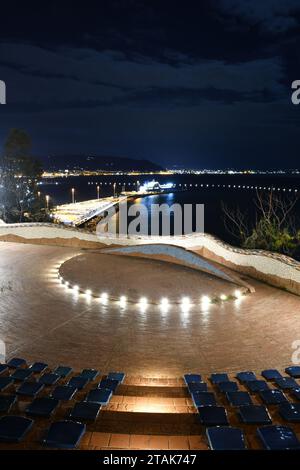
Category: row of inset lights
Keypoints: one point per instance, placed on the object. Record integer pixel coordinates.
(234, 186)
(143, 302)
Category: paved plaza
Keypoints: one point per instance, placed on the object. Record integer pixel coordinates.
(42, 320)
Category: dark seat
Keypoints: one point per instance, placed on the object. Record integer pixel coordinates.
(271, 374)
(38, 367)
(213, 416)
(14, 428)
(218, 378)
(49, 379)
(225, 387)
(225, 438)
(5, 382)
(239, 398)
(63, 371)
(119, 376)
(197, 387)
(286, 383)
(21, 374)
(30, 389)
(109, 384)
(90, 374)
(257, 386)
(6, 402)
(295, 392)
(64, 434)
(85, 410)
(203, 399)
(63, 392)
(290, 412)
(99, 395)
(293, 371)
(246, 376)
(42, 407)
(278, 438)
(254, 414)
(272, 397)
(78, 382)
(3, 368)
(188, 378)
(16, 362)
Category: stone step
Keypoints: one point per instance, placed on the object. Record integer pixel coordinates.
(111, 441)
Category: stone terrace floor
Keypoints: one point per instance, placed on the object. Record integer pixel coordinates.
(41, 320)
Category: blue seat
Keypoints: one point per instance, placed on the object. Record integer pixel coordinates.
(197, 387)
(63, 392)
(271, 374)
(286, 383)
(218, 378)
(290, 412)
(246, 376)
(38, 367)
(225, 438)
(119, 376)
(278, 438)
(5, 382)
(213, 416)
(239, 398)
(225, 387)
(254, 414)
(257, 386)
(3, 368)
(42, 407)
(49, 379)
(272, 397)
(16, 362)
(188, 378)
(85, 410)
(14, 428)
(295, 392)
(64, 434)
(6, 402)
(293, 371)
(78, 382)
(109, 384)
(30, 389)
(203, 399)
(90, 374)
(63, 371)
(21, 374)
(99, 395)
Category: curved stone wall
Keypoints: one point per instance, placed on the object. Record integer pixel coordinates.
(277, 270)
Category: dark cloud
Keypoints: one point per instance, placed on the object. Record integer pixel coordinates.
(270, 16)
(204, 81)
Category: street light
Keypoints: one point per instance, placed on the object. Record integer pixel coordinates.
(73, 195)
(47, 202)
(98, 192)
(114, 189)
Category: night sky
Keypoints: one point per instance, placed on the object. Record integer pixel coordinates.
(203, 84)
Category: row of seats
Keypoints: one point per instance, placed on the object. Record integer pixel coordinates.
(34, 378)
(59, 405)
(211, 414)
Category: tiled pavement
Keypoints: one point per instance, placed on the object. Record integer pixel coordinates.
(40, 319)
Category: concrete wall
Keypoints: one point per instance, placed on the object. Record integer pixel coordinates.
(272, 268)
